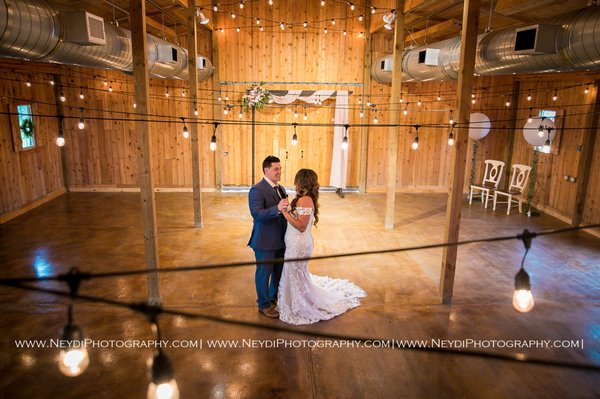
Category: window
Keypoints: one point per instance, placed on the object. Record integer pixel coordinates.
(26, 126)
(546, 114)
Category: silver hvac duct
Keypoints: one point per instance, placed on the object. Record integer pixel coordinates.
(568, 42)
(34, 30)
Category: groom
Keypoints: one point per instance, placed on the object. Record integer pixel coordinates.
(267, 199)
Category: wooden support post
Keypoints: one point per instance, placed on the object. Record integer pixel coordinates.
(510, 143)
(193, 82)
(586, 157)
(137, 10)
(216, 85)
(392, 133)
(364, 131)
(459, 160)
(59, 122)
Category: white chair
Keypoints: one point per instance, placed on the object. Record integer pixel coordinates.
(491, 180)
(518, 181)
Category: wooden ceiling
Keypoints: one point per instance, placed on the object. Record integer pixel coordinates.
(427, 21)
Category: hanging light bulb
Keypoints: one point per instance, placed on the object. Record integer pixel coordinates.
(215, 8)
(226, 109)
(529, 96)
(257, 21)
(361, 34)
(60, 140)
(241, 4)
(451, 121)
(213, 139)
(62, 97)
(270, 2)
(305, 115)
(219, 98)
(419, 102)
(555, 96)
(345, 143)
(541, 131)
(361, 113)
(473, 101)
(110, 89)
(305, 24)
(325, 29)
(522, 297)
(282, 25)
(439, 97)
(530, 118)
(226, 97)
(237, 29)
(134, 105)
(508, 103)
(360, 18)
(74, 360)
(322, 3)
(167, 92)
(472, 95)
(375, 120)
(81, 124)
(52, 82)
(162, 384)
(182, 93)
(195, 110)
(105, 83)
(241, 114)
(232, 16)
(415, 143)
(28, 83)
(405, 111)
(451, 139)
(352, 6)
(221, 30)
(401, 100)
(332, 21)
(373, 10)
(81, 96)
(296, 113)
(186, 133)
(587, 89)
(261, 28)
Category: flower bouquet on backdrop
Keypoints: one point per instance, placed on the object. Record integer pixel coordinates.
(256, 98)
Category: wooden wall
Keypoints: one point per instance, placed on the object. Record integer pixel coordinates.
(105, 154)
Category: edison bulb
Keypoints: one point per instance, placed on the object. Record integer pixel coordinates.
(73, 362)
(60, 141)
(523, 300)
(168, 390)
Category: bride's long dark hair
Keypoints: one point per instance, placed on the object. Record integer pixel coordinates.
(307, 184)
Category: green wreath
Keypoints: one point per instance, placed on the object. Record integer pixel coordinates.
(27, 127)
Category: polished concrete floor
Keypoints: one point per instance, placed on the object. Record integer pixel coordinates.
(103, 232)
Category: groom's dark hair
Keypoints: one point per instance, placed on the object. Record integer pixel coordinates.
(269, 160)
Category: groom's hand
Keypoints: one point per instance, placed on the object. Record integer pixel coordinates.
(283, 204)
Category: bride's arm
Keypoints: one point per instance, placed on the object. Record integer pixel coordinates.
(302, 221)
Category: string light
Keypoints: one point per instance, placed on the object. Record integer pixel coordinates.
(529, 96)
(62, 97)
(60, 140)
(345, 139)
(134, 105)
(257, 21)
(332, 21)
(81, 124)
(419, 102)
(186, 133)
(451, 121)
(110, 89)
(375, 120)
(215, 8)
(219, 98)
(213, 139)
(241, 4)
(439, 97)
(74, 360)
(183, 93)
(361, 114)
(587, 89)
(373, 10)
(282, 25)
(195, 109)
(241, 114)
(325, 30)
(541, 131)
(507, 103)
(522, 297)
(226, 97)
(52, 82)
(555, 97)
(261, 28)
(415, 143)
(360, 18)
(270, 2)
(28, 83)
(296, 112)
(305, 24)
(162, 377)
(167, 92)
(344, 32)
(226, 109)
(451, 136)
(81, 96)
(405, 112)
(352, 6)
(322, 3)
(105, 83)
(237, 29)
(530, 118)
(361, 34)
(295, 136)
(232, 16)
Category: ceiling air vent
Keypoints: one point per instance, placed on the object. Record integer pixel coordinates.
(167, 53)
(536, 39)
(83, 28)
(386, 65)
(429, 56)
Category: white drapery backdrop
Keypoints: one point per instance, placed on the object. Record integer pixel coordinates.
(339, 159)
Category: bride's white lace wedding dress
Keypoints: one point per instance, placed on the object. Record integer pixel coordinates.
(304, 298)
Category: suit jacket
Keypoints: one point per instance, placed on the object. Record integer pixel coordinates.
(269, 226)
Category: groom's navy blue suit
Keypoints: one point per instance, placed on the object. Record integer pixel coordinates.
(267, 239)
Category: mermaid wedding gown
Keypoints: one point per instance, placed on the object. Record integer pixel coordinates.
(304, 298)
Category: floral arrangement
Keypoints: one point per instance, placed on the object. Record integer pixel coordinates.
(256, 98)
(27, 127)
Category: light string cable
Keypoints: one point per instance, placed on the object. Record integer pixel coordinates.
(74, 278)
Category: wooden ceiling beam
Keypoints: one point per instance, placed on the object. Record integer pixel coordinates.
(443, 28)
(510, 7)
(152, 23)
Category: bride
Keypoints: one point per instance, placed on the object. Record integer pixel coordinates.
(304, 298)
